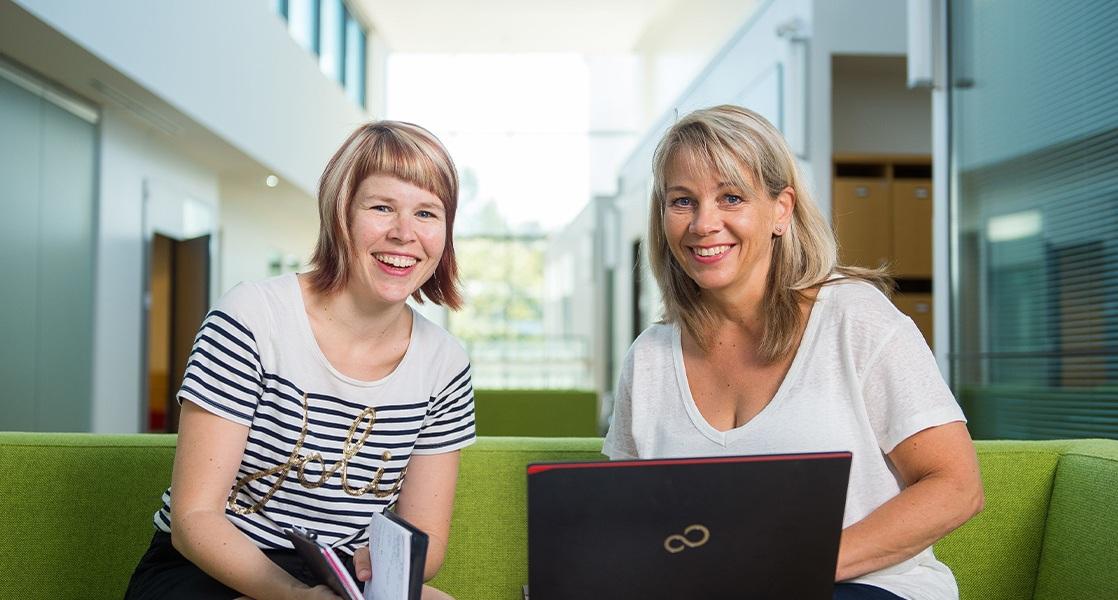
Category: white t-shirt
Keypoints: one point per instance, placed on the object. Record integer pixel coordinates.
(862, 381)
(253, 360)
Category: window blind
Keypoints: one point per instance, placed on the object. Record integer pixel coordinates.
(1034, 168)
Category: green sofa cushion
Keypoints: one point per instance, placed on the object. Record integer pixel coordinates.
(536, 413)
(72, 523)
(488, 553)
(1080, 558)
(995, 555)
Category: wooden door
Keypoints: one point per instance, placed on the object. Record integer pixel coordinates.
(191, 300)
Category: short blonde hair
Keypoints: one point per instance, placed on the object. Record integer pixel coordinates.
(407, 152)
(736, 141)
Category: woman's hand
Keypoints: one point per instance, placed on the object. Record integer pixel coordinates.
(318, 592)
(362, 564)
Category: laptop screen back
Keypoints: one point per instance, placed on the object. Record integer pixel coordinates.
(725, 527)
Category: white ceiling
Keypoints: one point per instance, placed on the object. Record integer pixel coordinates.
(510, 26)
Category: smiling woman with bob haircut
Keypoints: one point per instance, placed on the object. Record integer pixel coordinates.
(317, 399)
(768, 345)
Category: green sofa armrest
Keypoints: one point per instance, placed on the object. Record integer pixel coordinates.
(1033, 539)
(1080, 556)
(75, 510)
(995, 555)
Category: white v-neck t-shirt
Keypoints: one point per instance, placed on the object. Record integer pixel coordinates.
(862, 380)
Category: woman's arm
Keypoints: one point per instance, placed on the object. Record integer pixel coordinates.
(427, 501)
(619, 443)
(206, 460)
(943, 490)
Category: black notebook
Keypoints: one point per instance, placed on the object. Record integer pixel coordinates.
(325, 563)
(399, 553)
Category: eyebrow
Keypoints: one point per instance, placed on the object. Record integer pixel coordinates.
(426, 205)
(686, 190)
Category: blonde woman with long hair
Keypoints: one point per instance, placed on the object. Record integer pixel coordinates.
(768, 345)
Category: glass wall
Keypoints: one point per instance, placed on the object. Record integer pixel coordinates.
(1034, 192)
(523, 152)
(501, 322)
(47, 170)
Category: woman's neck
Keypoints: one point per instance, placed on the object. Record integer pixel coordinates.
(740, 307)
(352, 315)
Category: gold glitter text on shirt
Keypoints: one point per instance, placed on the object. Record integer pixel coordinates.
(296, 460)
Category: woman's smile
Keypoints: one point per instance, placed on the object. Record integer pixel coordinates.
(709, 255)
(396, 264)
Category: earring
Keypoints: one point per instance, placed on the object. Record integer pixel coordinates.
(779, 229)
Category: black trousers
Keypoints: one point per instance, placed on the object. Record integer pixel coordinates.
(164, 573)
(861, 591)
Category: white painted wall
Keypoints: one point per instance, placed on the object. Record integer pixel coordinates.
(614, 126)
(229, 66)
(259, 223)
(376, 75)
(129, 154)
(678, 43)
(875, 112)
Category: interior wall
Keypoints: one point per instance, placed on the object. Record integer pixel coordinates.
(229, 66)
(678, 44)
(184, 96)
(857, 27)
(874, 111)
(129, 155)
(260, 225)
(614, 127)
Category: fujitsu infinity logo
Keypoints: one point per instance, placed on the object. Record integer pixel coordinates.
(692, 537)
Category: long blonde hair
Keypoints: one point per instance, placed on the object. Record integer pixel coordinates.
(738, 142)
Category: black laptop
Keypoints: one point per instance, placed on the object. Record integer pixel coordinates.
(726, 527)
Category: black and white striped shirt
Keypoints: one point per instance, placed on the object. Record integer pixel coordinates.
(254, 361)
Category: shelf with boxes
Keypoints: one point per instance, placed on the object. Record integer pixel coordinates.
(882, 215)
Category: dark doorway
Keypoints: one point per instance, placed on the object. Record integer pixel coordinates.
(636, 315)
(179, 288)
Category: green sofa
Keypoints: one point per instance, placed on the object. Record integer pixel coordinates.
(75, 513)
(536, 413)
